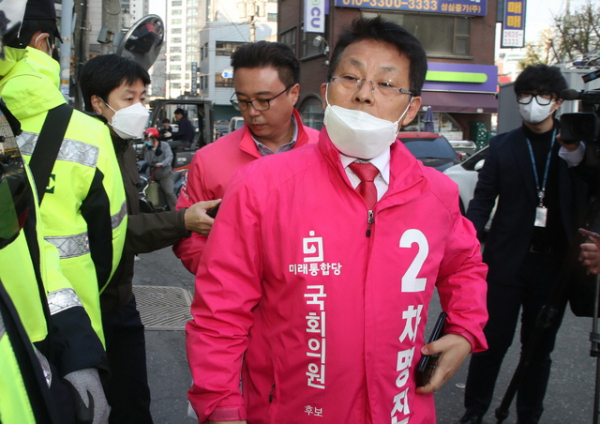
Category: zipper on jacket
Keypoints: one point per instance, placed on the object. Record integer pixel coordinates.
(271, 394)
(370, 220)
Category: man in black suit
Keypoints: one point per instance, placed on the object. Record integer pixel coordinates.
(535, 220)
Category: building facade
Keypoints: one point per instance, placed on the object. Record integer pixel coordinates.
(458, 36)
(184, 20)
(230, 26)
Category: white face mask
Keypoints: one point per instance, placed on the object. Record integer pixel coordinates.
(358, 134)
(129, 122)
(534, 112)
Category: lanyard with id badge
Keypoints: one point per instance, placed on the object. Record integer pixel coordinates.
(541, 212)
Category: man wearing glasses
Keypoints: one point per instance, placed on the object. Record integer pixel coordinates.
(316, 280)
(527, 242)
(265, 77)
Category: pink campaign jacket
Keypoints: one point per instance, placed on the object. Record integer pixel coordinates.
(210, 173)
(327, 310)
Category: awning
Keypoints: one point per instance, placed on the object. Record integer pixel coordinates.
(442, 101)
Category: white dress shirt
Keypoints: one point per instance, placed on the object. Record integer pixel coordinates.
(381, 162)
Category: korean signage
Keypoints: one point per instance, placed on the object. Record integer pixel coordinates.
(194, 77)
(513, 24)
(314, 16)
(457, 7)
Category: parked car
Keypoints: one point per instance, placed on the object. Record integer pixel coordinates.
(465, 148)
(221, 128)
(432, 149)
(465, 176)
(236, 123)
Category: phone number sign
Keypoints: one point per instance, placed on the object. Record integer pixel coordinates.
(457, 7)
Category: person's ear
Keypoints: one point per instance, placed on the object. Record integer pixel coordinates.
(323, 95)
(97, 104)
(39, 41)
(294, 92)
(412, 111)
(558, 103)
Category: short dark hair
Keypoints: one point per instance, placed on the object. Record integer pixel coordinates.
(29, 28)
(263, 54)
(379, 29)
(166, 121)
(541, 78)
(179, 111)
(102, 74)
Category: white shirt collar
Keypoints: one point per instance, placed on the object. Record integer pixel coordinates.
(381, 162)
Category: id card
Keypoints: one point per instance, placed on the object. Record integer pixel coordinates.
(541, 216)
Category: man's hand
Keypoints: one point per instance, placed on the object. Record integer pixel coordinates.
(590, 256)
(571, 147)
(158, 165)
(197, 220)
(453, 350)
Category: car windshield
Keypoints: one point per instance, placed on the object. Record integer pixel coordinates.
(429, 148)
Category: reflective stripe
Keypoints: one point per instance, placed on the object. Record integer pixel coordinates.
(116, 219)
(45, 366)
(61, 300)
(2, 327)
(70, 150)
(71, 246)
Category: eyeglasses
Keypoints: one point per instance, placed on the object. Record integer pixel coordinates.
(258, 104)
(542, 99)
(385, 88)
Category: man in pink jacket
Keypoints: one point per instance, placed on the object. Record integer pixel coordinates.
(316, 280)
(265, 77)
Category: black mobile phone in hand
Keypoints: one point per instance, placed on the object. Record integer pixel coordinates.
(594, 236)
(212, 212)
(427, 364)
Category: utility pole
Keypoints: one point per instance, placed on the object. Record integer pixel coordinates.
(252, 9)
(111, 25)
(81, 45)
(66, 33)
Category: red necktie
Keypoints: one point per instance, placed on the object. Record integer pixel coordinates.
(367, 173)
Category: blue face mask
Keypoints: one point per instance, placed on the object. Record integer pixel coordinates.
(148, 143)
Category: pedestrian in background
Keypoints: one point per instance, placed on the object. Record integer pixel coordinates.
(166, 131)
(184, 135)
(159, 156)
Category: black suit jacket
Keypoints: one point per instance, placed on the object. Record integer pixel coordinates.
(508, 175)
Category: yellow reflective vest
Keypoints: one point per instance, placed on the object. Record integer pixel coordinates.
(83, 209)
(15, 406)
(25, 291)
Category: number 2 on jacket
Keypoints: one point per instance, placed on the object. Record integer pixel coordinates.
(410, 281)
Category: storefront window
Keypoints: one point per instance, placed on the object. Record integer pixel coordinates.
(450, 38)
(442, 124)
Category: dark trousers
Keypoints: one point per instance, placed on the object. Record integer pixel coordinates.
(535, 280)
(127, 388)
